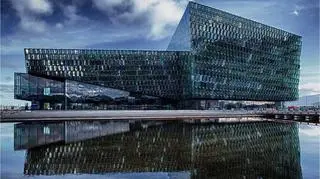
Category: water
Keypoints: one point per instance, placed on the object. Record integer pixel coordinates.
(160, 149)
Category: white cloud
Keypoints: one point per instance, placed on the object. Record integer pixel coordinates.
(30, 23)
(59, 26)
(310, 79)
(33, 6)
(107, 5)
(38, 6)
(161, 14)
(306, 77)
(299, 8)
(28, 10)
(310, 88)
(70, 12)
(312, 131)
(166, 13)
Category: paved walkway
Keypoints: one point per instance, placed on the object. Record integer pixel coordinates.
(23, 116)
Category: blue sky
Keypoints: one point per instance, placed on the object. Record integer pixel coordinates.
(138, 24)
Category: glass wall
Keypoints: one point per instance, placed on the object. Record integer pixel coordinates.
(240, 59)
(87, 96)
(47, 93)
(155, 73)
(33, 88)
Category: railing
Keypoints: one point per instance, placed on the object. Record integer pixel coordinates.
(292, 112)
(9, 110)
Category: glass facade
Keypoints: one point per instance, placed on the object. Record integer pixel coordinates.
(237, 58)
(34, 88)
(212, 55)
(78, 95)
(155, 73)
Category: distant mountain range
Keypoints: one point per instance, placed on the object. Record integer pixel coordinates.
(310, 100)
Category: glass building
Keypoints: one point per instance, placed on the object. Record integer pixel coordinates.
(213, 55)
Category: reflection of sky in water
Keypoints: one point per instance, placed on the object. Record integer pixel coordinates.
(12, 162)
(309, 137)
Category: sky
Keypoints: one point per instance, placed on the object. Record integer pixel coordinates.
(138, 24)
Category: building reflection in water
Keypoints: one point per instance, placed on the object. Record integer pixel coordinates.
(260, 149)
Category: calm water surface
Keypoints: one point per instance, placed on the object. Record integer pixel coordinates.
(160, 149)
